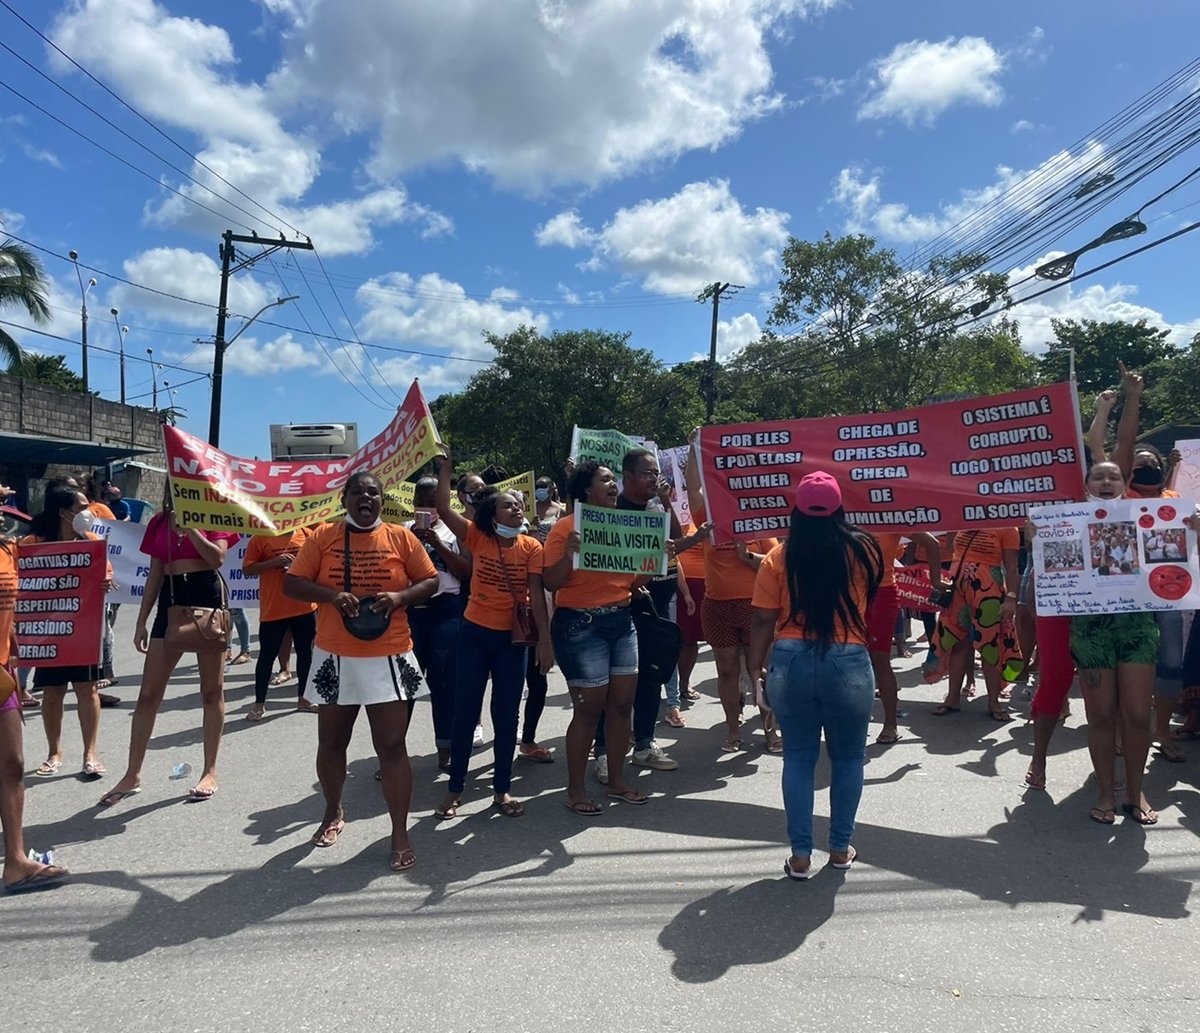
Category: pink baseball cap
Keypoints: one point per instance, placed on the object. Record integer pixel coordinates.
(818, 494)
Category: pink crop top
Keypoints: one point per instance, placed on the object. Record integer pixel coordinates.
(154, 542)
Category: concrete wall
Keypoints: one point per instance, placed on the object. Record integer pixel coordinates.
(31, 408)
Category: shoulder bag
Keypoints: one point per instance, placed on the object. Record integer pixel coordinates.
(196, 629)
(369, 624)
(945, 597)
(524, 630)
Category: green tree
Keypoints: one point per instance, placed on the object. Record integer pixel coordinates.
(520, 410)
(22, 285)
(1098, 347)
(1173, 388)
(51, 370)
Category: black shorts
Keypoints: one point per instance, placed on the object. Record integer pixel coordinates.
(49, 677)
(200, 588)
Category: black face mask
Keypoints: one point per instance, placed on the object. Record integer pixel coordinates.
(1147, 476)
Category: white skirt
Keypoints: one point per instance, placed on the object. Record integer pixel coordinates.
(363, 680)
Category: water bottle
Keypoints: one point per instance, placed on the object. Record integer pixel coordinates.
(181, 770)
(38, 857)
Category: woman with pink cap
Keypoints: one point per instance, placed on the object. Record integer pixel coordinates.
(811, 598)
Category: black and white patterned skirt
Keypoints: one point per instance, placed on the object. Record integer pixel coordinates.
(363, 680)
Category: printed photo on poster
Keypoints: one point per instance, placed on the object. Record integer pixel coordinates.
(1114, 548)
(1064, 556)
(1166, 546)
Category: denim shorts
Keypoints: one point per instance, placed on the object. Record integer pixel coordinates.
(592, 647)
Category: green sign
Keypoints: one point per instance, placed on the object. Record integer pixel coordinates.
(607, 447)
(621, 541)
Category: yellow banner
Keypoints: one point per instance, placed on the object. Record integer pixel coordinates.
(398, 501)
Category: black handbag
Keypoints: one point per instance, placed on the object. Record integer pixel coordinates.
(369, 624)
(659, 641)
(945, 597)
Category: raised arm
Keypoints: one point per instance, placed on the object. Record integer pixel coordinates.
(1098, 431)
(455, 521)
(691, 479)
(1127, 428)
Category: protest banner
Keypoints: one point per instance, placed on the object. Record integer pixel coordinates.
(60, 603)
(398, 505)
(605, 446)
(951, 466)
(672, 462)
(131, 566)
(1115, 556)
(216, 491)
(1185, 477)
(621, 540)
(914, 590)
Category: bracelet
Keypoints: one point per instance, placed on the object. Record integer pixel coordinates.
(1010, 595)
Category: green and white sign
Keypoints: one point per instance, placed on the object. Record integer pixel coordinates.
(607, 447)
(621, 541)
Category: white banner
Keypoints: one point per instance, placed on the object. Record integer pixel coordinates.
(1118, 556)
(1186, 476)
(131, 566)
(672, 462)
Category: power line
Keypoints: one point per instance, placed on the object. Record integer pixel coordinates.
(129, 357)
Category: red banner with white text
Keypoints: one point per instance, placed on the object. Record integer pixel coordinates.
(951, 466)
(60, 603)
(217, 491)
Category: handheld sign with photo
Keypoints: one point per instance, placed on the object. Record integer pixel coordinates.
(1115, 556)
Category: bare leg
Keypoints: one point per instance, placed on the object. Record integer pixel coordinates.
(389, 725)
(17, 864)
(1100, 701)
(889, 694)
(1135, 686)
(589, 705)
(729, 688)
(1162, 727)
(960, 663)
(993, 682)
(160, 662)
(212, 696)
(617, 710)
(1043, 731)
(285, 653)
(688, 652)
(334, 726)
(53, 697)
(87, 699)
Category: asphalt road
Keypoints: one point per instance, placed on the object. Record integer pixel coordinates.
(976, 905)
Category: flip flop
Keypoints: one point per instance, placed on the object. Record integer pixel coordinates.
(800, 875)
(731, 745)
(448, 813)
(509, 808)
(1146, 817)
(1034, 783)
(402, 860)
(328, 834)
(198, 795)
(675, 720)
(538, 755)
(48, 768)
(93, 769)
(241, 658)
(942, 709)
(108, 700)
(774, 744)
(1097, 814)
(1169, 755)
(584, 808)
(280, 679)
(886, 738)
(846, 865)
(1001, 717)
(630, 796)
(115, 796)
(255, 714)
(43, 878)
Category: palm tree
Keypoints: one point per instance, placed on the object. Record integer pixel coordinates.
(22, 284)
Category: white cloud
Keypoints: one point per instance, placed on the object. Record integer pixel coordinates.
(11, 221)
(1022, 125)
(679, 243)
(41, 154)
(249, 356)
(919, 80)
(538, 93)
(1075, 301)
(733, 335)
(187, 274)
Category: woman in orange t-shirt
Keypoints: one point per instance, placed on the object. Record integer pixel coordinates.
(66, 517)
(594, 643)
(506, 570)
(811, 596)
(363, 574)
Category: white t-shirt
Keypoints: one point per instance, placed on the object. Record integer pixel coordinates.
(448, 584)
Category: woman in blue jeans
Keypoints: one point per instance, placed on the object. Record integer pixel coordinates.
(506, 570)
(811, 597)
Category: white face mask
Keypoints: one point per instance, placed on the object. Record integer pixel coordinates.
(81, 522)
(504, 531)
(369, 527)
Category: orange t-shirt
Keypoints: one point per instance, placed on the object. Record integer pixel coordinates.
(388, 559)
(584, 589)
(1166, 493)
(725, 575)
(986, 547)
(8, 597)
(273, 605)
(889, 545)
(100, 511)
(33, 539)
(491, 603)
(692, 560)
(771, 593)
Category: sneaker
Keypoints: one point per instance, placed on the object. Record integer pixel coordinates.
(654, 757)
(602, 770)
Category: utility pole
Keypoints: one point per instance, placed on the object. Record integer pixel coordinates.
(121, 332)
(153, 379)
(83, 316)
(714, 292)
(228, 258)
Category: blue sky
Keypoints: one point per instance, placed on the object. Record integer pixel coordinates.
(476, 165)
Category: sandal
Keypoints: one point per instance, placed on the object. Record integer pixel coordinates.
(887, 737)
(256, 713)
(509, 808)
(731, 745)
(846, 865)
(327, 835)
(446, 813)
(93, 769)
(1102, 815)
(799, 874)
(1169, 753)
(942, 709)
(1001, 717)
(241, 658)
(774, 743)
(282, 678)
(1033, 782)
(533, 752)
(49, 767)
(629, 796)
(674, 718)
(692, 694)
(402, 860)
(584, 808)
(198, 795)
(108, 700)
(115, 796)
(1140, 814)
(45, 877)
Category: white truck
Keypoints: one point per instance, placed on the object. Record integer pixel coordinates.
(296, 441)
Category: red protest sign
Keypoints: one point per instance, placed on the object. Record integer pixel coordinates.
(218, 491)
(913, 589)
(950, 466)
(60, 603)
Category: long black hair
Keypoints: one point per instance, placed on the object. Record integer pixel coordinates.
(825, 556)
(47, 525)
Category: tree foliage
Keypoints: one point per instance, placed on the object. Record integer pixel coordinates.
(51, 370)
(22, 285)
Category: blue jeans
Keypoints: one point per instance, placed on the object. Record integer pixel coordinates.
(482, 652)
(811, 691)
(242, 627)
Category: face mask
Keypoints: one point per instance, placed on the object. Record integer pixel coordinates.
(504, 531)
(81, 522)
(468, 497)
(368, 527)
(542, 494)
(1147, 476)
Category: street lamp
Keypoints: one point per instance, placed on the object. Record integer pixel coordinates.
(121, 332)
(83, 293)
(221, 346)
(153, 380)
